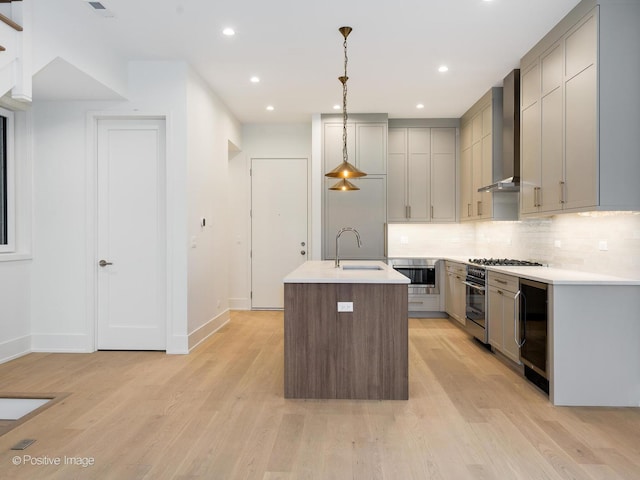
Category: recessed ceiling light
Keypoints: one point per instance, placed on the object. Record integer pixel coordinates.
(229, 32)
(270, 108)
(337, 107)
(443, 68)
(420, 105)
(255, 79)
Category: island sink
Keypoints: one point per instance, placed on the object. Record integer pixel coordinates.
(361, 267)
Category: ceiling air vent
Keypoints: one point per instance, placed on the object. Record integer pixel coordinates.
(100, 9)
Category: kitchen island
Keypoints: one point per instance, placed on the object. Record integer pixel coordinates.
(346, 331)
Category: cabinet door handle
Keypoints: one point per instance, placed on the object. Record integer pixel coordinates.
(479, 207)
(515, 320)
(407, 211)
(537, 198)
(385, 232)
(500, 281)
(500, 292)
(562, 184)
(431, 212)
(468, 209)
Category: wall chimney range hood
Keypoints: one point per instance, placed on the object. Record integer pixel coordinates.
(509, 184)
(510, 137)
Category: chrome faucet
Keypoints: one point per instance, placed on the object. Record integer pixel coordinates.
(340, 232)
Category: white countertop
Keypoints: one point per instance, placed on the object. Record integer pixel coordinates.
(557, 276)
(316, 271)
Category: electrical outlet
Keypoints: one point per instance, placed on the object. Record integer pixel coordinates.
(404, 240)
(345, 306)
(602, 245)
(557, 243)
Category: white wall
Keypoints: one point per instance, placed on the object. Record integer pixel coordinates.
(198, 129)
(570, 241)
(15, 267)
(210, 129)
(15, 309)
(160, 88)
(59, 304)
(60, 29)
(259, 141)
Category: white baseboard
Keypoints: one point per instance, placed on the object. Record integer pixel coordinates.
(61, 343)
(205, 331)
(15, 348)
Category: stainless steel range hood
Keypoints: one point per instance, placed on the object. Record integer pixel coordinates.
(510, 174)
(509, 184)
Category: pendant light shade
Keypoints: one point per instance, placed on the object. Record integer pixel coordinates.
(345, 169)
(344, 185)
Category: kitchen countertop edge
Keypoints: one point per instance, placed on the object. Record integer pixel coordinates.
(323, 271)
(555, 276)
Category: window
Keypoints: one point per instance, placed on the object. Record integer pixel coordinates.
(6, 182)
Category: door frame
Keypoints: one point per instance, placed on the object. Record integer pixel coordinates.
(250, 219)
(91, 222)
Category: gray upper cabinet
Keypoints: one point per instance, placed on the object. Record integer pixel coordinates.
(481, 161)
(371, 151)
(580, 114)
(422, 174)
(366, 143)
(364, 209)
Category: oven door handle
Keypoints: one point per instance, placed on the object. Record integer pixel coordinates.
(477, 287)
(414, 267)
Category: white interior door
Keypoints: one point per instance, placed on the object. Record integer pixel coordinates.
(278, 226)
(131, 235)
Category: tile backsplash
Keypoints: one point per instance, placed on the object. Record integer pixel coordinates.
(605, 242)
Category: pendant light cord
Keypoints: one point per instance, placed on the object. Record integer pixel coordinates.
(345, 156)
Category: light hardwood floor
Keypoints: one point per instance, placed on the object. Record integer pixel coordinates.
(219, 413)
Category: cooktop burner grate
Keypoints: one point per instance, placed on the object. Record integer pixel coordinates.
(503, 262)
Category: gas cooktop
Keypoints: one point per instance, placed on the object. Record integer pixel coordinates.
(503, 262)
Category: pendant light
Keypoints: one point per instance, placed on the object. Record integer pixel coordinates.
(345, 169)
(344, 185)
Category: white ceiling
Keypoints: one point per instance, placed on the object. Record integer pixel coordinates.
(295, 48)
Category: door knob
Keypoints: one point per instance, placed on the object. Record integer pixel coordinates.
(302, 252)
(104, 263)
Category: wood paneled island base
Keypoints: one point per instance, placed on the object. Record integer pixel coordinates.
(349, 355)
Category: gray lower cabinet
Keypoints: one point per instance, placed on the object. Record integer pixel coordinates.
(502, 314)
(455, 292)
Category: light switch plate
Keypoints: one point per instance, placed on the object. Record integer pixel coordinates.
(345, 306)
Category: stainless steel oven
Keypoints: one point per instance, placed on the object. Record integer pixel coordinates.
(423, 273)
(476, 303)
